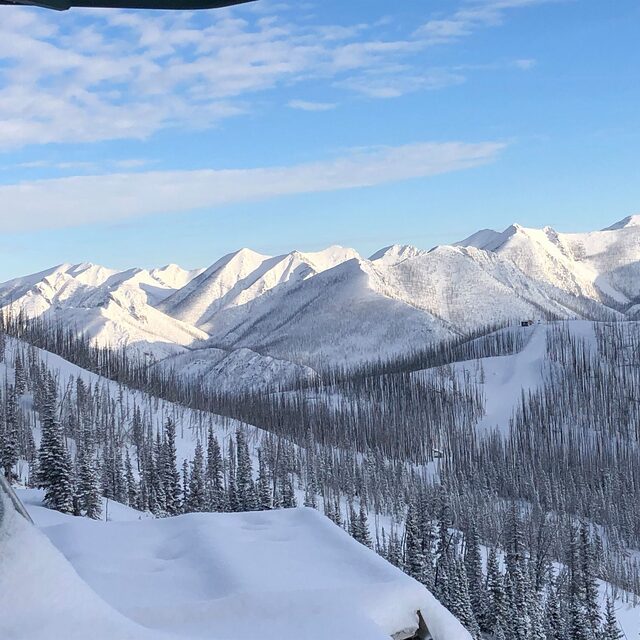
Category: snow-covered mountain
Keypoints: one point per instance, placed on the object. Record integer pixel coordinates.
(115, 308)
(601, 265)
(261, 316)
(240, 277)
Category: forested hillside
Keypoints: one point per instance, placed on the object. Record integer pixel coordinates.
(517, 511)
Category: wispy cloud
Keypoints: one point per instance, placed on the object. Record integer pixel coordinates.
(470, 17)
(105, 75)
(116, 197)
(394, 85)
(305, 105)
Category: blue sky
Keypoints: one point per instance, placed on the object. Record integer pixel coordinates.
(134, 138)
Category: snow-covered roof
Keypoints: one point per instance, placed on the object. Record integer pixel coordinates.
(266, 575)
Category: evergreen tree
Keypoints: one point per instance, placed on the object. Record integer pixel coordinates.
(553, 622)
(288, 496)
(89, 498)
(495, 591)
(311, 488)
(475, 577)
(233, 504)
(414, 564)
(244, 474)
(578, 626)
(9, 432)
(185, 486)
(460, 601)
(170, 474)
(611, 630)
(517, 583)
(363, 527)
(197, 500)
(20, 382)
(214, 474)
(158, 496)
(444, 555)
(54, 465)
(130, 482)
(264, 487)
(589, 582)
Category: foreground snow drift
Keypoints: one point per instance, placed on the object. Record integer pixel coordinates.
(43, 598)
(269, 575)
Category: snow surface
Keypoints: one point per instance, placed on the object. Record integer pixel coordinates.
(270, 575)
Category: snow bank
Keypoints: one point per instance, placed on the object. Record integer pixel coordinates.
(43, 598)
(269, 575)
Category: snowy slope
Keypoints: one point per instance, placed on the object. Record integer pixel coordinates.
(343, 313)
(241, 277)
(281, 574)
(602, 265)
(43, 598)
(367, 309)
(242, 368)
(485, 288)
(113, 308)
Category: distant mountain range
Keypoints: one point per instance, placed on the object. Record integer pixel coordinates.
(251, 317)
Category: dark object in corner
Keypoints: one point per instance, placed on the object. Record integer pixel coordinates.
(170, 5)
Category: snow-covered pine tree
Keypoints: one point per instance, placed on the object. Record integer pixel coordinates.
(214, 474)
(363, 527)
(589, 582)
(130, 482)
(20, 382)
(287, 492)
(185, 486)
(414, 563)
(475, 576)
(158, 497)
(554, 624)
(444, 552)
(197, 499)
(170, 473)
(264, 486)
(610, 628)
(578, 626)
(311, 488)
(9, 432)
(460, 600)
(517, 583)
(54, 465)
(89, 497)
(496, 605)
(232, 502)
(244, 474)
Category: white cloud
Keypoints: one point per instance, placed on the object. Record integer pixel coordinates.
(525, 63)
(305, 105)
(82, 200)
(394, 85)
(103, 75)
(473, 15)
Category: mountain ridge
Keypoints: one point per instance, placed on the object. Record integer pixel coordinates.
(334, 305)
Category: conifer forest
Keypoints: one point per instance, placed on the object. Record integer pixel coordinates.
(513, 526)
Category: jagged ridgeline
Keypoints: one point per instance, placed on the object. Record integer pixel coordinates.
(400, 440)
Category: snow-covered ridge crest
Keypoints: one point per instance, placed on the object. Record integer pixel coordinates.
(599, 265)
(335, 305)
(629, 221)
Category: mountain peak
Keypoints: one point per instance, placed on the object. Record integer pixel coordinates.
(629, 221)
(396, 253)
